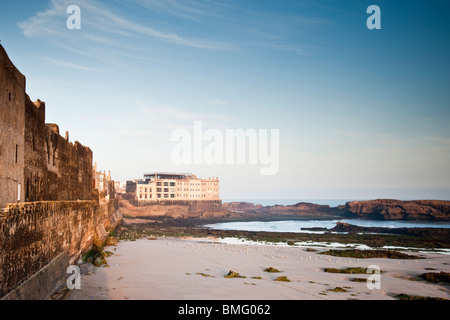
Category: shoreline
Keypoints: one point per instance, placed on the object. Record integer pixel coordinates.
(195, 268)
(169, 227)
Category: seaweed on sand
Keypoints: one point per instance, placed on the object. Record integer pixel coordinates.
(233, 274)
(436, 277)
(363, 254)
(282, 278)
(355, 270)
(271, 270)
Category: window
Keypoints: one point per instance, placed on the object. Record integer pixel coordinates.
(172, 184)
(166, 189)
(159, 195)
(159, 184)
(166, 184)
(17, 151)
(166, 195)
(172, 196)
(158, 189)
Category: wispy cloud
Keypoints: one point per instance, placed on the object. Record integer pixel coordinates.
(230, 26)
(170, 116)
(98, 17)
(72, 65)
(186, 9)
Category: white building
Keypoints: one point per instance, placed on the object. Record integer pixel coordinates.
(176, 186)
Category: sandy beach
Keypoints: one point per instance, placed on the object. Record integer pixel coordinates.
(194, 269)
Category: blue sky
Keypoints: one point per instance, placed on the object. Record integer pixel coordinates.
(362, 113)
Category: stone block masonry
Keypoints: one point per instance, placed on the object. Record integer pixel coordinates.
(48, 207)
(33, 234)
(43, 283)
(180, 208)
(36, 162)
(12, 126)
(54, 168)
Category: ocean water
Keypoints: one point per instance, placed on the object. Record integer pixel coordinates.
(287, 202)
(296, 226)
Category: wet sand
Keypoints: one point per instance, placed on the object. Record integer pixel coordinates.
(194, 269)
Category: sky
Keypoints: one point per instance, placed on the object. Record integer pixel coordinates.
(361, 113)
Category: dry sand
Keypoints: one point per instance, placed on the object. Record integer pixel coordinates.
(189, 269)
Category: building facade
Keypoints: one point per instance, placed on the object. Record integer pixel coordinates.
(103, 182)
(157, 187)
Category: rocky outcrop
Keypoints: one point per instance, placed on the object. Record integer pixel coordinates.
(241, 206)
(373, 209)
(301, 209)
(442, 233)
(388, 209)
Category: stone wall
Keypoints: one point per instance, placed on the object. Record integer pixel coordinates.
(41, 176)
(173, 208)
(33, 234)
(36, 162)
(12, 128)
(54, 168)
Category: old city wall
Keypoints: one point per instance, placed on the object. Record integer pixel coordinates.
(49, 214)
(36, 162)
(55, 169)
(12, 128)
(175, 208)
(34, 234)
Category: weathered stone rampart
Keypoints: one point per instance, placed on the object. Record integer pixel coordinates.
(12, 127)
(46, 184)
(33, 234)
(36, 162)
(178, 208)
(54, 168)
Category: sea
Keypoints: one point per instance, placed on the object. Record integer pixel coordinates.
(296, 226)
(287, 202)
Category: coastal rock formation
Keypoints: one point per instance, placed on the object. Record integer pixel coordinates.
(441, 233)
(301, 209)
(241, 206)
(388, 209)
(230, 210)
(432, 210)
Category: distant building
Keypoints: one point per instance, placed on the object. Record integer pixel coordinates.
(120, 187)
(176, 187)
(103, 183)
(130, 186)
